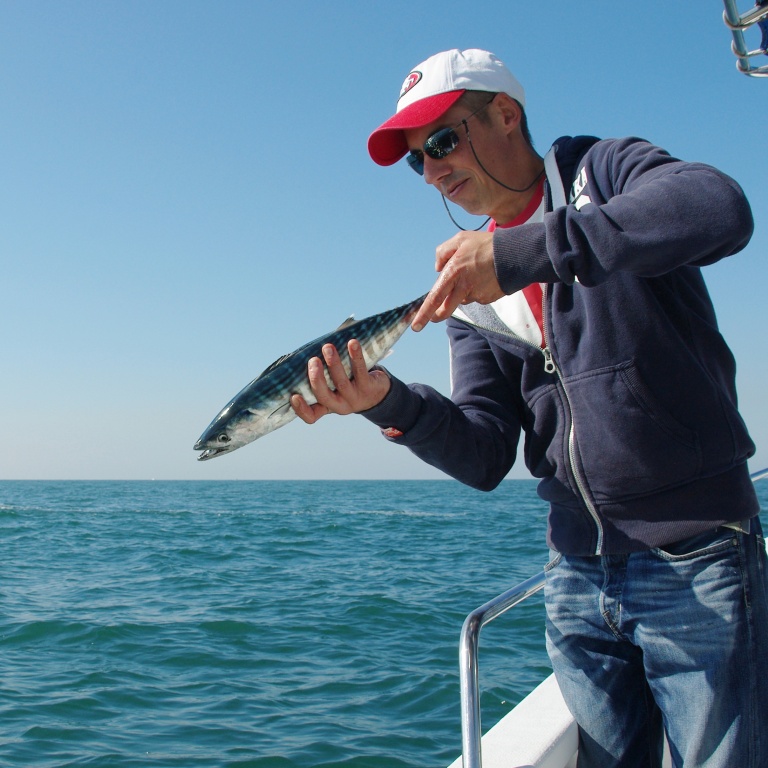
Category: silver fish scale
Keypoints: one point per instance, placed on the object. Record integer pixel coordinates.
(264, 404)
(376, 334)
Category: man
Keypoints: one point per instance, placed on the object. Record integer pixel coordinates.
(584, 321)
(763, 26)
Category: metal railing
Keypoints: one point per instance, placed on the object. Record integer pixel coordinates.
(738, 23)
(469, 671)
(468, 667)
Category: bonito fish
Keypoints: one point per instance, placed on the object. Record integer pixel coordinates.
(264, 405)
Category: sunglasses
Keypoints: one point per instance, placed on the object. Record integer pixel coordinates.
(441, 143)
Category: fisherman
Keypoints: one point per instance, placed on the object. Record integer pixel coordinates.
(763, 26)
(581, 317)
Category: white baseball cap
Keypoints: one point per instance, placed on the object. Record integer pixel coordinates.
(432, 88)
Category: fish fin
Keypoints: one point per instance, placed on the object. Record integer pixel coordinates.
(281, 411)
(274, 365)
(346, 323)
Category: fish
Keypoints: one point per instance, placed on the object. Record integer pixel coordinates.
(264, 405)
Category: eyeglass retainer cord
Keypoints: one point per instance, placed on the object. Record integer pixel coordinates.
(490, 176)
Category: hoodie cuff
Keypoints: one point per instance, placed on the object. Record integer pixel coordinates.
(397, 412)
(520, 257)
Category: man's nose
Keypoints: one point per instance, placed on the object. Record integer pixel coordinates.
(435, 170)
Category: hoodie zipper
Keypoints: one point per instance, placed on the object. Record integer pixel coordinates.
(551, 367)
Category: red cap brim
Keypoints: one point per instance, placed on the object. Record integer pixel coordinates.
(386, 145)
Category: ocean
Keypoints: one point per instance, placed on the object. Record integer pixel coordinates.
(261, 624)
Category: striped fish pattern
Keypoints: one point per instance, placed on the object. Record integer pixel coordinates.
(264, 405)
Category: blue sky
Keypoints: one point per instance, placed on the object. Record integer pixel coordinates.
(186, 195)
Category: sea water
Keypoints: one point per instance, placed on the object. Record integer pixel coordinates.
(269, 624)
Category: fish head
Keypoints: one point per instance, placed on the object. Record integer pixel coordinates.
(230, 430)
(237, 426)
(214, 443)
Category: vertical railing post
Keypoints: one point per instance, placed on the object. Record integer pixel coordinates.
(471, 727)
(737, 23)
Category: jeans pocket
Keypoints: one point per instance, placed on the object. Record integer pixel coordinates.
(709, 542)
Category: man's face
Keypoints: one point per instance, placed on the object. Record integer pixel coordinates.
(458, 175)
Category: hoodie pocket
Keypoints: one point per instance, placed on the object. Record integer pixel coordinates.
(627, 442)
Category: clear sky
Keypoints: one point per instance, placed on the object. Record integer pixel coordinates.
(186, 194)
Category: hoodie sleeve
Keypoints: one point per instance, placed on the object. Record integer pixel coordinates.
(473, 436)
(637, 210)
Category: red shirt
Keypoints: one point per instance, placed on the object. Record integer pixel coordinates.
(533, 293)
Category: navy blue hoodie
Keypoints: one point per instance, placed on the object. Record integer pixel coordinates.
(630, 412)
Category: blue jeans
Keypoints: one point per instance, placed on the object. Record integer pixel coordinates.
(672, 639)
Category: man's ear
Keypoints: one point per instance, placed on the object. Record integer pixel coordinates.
(509, 111)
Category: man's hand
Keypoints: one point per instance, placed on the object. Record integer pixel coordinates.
(355, 393)
(467, 274)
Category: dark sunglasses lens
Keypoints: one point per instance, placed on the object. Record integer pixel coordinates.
(441, 143)
(416, 161)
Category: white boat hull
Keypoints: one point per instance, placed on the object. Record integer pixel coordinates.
(539, 732)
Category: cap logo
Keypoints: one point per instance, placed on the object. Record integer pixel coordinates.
(410, 81)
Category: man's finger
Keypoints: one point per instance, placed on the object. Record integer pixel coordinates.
(316, 376)
(435, 299)
(444, 252)
(356, 359)
(304, 411)
(336, 370)
(448, 307)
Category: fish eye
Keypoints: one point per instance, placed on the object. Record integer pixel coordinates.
(223, 438)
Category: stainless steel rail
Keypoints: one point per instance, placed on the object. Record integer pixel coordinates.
(469, 671)
(468, 666)
(738, 23)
